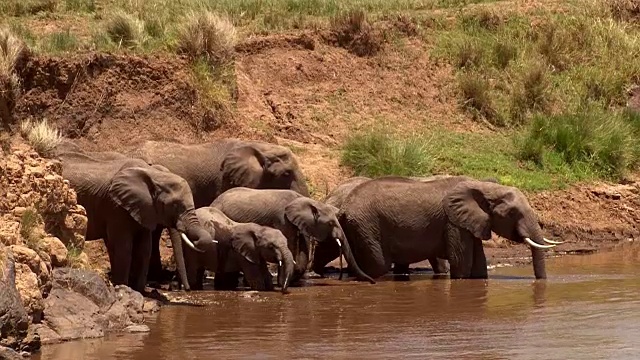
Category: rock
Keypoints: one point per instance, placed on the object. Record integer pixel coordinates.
(14, 319)
(26, 256)
(132, 300)
(29, 289)
(70, 316)
(82, 305)
(85, 282)
(56, 250)
(9, 354)
(151, 306)
(138, 329)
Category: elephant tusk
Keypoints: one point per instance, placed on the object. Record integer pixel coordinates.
(280, 263)
(552, 242)
(294, 262)
(338, 241)
(189, 243)
(536, 245)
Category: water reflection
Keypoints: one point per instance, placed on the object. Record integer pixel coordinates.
(589, 308)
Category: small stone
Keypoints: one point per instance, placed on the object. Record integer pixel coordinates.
(138, 329)
(57, 251)
(26, 256)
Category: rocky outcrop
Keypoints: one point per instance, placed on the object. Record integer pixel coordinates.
(49, 291)
(81, 305)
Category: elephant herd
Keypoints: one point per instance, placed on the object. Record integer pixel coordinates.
(240, 205)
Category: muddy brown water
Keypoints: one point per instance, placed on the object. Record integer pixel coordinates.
(588, 308)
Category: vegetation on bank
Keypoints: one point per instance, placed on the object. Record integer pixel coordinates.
(552, 80)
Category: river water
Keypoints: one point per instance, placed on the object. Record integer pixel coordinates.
(588, 308)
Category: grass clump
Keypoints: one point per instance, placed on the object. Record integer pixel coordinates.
(41, 136)
(61, 41)
(27, 7)
(378, 153)
(476, 96)
(125, 30)
(208, 35)
(605, 142)
(352, 31)
(12, 51)
(29, 222)
(80, 5)
(217, 90)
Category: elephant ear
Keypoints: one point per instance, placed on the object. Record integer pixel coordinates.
(244, 243)
(302, 213)
(133, 189)
(242, 167)
(467, 207)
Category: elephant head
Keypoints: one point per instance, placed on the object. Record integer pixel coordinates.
(481, 207)
(154, 196)
(258, 245)
(314, 219)
(262, 166)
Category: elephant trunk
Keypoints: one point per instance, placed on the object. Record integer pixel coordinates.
(536, 243)
(189, 230)
(176, 242)
(341, 239)
(285, 267)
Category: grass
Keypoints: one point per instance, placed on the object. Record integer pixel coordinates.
(439, 151)
(378, 153)
(61, 41)
(74, 260)
(125, 30)
(12, 49)
(40, 135)
(208, 35)
(29, 222)
(217, 90)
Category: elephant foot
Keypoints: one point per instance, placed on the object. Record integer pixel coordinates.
(401, 272)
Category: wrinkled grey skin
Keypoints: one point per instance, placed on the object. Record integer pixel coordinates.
(214, 167)
(298, 217)
(125, 200)
(399, 220)
(328, 251)
(245, 247)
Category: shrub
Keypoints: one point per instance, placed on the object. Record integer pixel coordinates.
(208, 35)
(27, 7)
(125, 29)
(531, 93)
(503, 54)
(376, 153)
(42, 137)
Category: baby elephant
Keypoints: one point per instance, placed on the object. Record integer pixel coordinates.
(246, 247)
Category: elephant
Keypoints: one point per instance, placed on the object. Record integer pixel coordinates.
(246, 247)
(214, 167)
(125, 199)
(398, 220)
(328, 251)
(298, 217)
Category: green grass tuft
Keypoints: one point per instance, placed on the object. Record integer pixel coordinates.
(29, 222)
(377, 153)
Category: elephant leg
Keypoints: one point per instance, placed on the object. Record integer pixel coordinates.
(140, 261)
(439, 266)
(155, 264)
(199, 285)
(479, 267)
(459, 252)
(400, 272)
(226, 280)
(119, 246)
